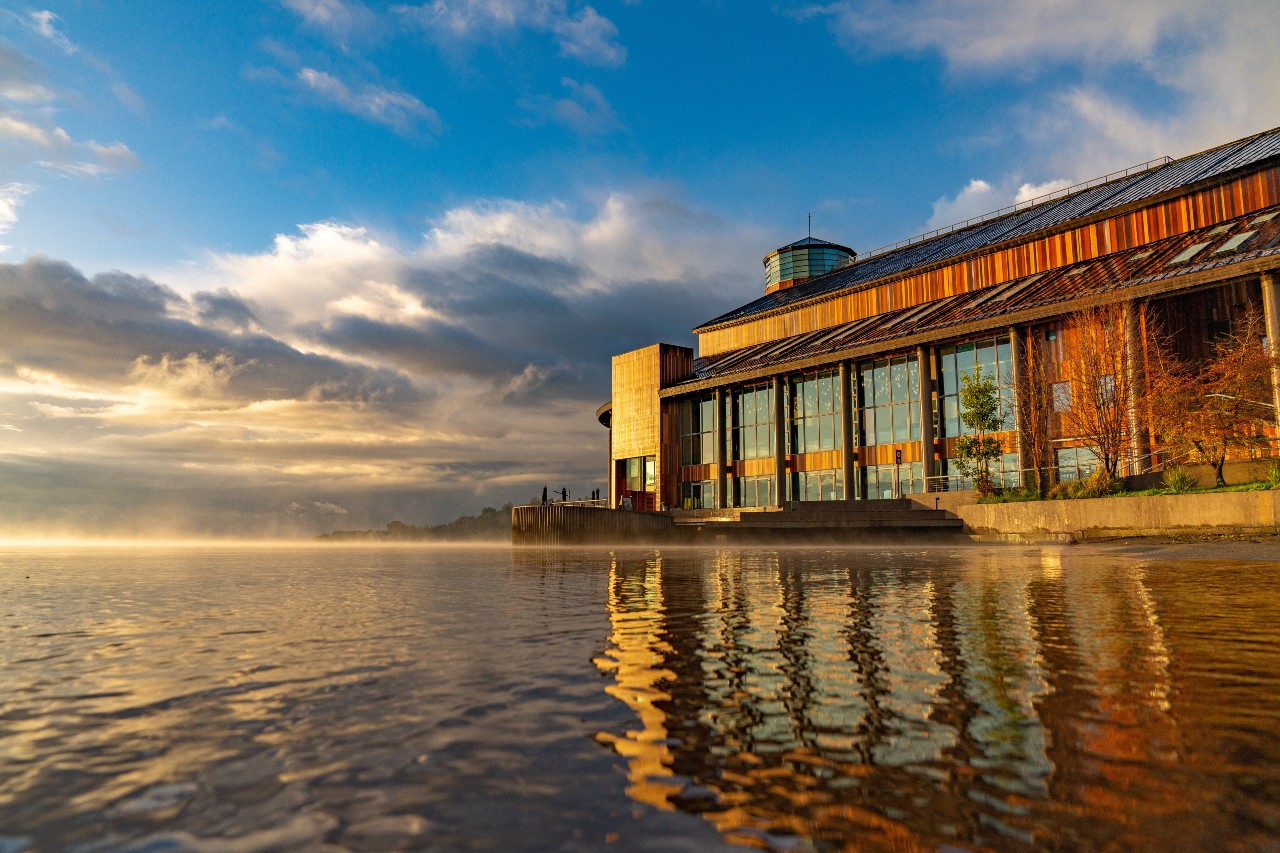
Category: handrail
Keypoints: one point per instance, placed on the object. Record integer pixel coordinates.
(1020, 205)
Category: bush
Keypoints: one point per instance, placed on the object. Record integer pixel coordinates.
(1272, 479)
(1099, 484)
(1178, 480)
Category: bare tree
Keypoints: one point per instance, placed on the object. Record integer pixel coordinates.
(1033, 403)
(1093, 362)
(1207, 410)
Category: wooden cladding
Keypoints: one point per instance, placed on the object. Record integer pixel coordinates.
(821, 461)
(761, 467)
(637, 376)
(1117, 233)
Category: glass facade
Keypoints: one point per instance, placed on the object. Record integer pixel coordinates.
(802, 262)
(996, 358)
(753, 491)
(815, 412)
(698, 495)
(890, 401)
(1075, 463)
(698, 430)
(751, 414)
(879, 480)
(827, 485)
(639, 473)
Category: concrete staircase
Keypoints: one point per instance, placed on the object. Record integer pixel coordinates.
(827, 521)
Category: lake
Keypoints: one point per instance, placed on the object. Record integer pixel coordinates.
(344, 698)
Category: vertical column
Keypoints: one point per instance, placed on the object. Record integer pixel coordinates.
(1017, 352)
(924, 366)
(722, 458)
(1271, 313)
(1139, 439)
(848, 452)
(780, 438)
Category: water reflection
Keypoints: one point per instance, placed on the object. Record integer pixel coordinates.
(1018, 699)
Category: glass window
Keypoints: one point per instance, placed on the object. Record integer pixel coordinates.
(697, 430)
(825, 485)
(815, 418)
(752, 432)
(995, 356)
(1062, 396)
(890, 401)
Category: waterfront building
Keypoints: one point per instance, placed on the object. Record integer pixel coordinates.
(842, 381)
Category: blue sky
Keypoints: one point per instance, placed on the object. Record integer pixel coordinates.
(369, 261)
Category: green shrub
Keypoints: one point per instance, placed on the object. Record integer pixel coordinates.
(1099, 484)
(1272, 478)
(1178, 480)
(1064, 491)
(1008, 496)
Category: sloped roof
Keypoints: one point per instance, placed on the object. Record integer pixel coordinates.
(1022, 223)
(1221, 245)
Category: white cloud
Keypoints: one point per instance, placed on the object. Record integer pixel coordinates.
(129, 99)
(341, 20)
(45, 23)
(1208, 66)
(11, 196)
(590, 37)
(398, 110)
(979, 198)
(584, 109)
(18, 129)
(584, 35)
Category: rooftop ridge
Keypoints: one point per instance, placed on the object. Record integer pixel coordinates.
(1153, 163)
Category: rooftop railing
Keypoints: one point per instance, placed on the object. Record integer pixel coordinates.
(1021, 205)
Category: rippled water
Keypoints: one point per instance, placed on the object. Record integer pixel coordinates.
(467, 699)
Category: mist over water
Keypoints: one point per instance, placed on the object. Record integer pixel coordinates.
(252, 699)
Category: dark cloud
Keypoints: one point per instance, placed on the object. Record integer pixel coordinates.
(96, 330)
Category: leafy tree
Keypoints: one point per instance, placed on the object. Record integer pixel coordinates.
(1033, 405)
(980, 412)
(1206, 410)
(1095, 366)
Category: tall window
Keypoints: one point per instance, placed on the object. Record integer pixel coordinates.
(698, 430)
(698, 495)
(753, 491)
(825, 485)
(1075, 463)
(890, 399)
(996, 359)
(882, 480)
(815, 412)
(638, 473)
(752, 419)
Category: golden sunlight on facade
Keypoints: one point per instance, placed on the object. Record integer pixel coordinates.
(842, 382)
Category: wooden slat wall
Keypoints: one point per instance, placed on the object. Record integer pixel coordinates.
(1176, 216)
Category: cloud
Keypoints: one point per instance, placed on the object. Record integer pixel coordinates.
(583, 110)
(399, 111)
(45, 24)
(1147, 77)
(340, 20)
(340, 367)
(11, 196)
(584, 35)
(978, 198)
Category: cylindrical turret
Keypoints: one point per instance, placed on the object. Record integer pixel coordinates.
(803, 260)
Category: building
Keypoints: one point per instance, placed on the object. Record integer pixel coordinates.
(842, 380)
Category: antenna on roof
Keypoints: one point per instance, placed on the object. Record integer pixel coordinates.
(811, 224)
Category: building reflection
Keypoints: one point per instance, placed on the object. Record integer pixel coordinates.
(894, 702)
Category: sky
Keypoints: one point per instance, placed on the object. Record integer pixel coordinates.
(280, 267)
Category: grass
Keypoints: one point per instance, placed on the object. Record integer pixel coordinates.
(1020, 495)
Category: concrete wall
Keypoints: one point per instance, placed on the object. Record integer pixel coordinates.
(1101, 518)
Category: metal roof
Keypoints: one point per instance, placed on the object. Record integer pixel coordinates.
(1021, 223)
(1142, 265)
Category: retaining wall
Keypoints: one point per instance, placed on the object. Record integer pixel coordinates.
(1104, 518)
(577, 525)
